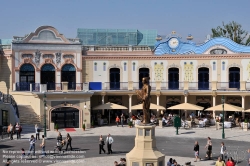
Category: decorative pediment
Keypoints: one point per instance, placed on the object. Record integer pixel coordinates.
(68, 56)
(27, 55)
(143, 66)
(234, 65)
(48, 56)
(46, 34)
(203, 65)
(173, 66)
(114, 66)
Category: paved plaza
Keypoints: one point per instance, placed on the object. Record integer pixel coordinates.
(179, 147)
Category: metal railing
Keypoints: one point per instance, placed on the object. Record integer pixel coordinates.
(115, 86)
(8, 99)
(228, 86)
(172, 85)
(23, 86)
(199, 85)
(35, 87)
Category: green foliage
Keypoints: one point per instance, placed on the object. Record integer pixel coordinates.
(246, 120)
(56, 126)
(92, 123)
(234, 31)
(130, 123)
(83, 125)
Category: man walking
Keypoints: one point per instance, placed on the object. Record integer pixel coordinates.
(222, 151)
(43, 146)
(17, 127)
(32, 145)
(109, 141)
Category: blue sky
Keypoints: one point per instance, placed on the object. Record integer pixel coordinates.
(20, 17)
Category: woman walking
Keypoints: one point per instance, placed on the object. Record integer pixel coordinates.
(101, 144)
(209, 148)
(68, 139)
(196, 151)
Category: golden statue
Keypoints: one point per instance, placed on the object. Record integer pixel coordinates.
(144, 96)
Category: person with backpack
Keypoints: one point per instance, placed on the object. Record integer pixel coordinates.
(69, 140)
(37, 130)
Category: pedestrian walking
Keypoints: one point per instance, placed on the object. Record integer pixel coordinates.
(223, 151)
(219, 162)
(42, 145)
(69, 140)
(32, 145)
(170, 162)
(10, 131)
(117, 120)
(196, 151)
(122, 119)
(109, 141)
(17, 128)
(101, 144)
(59, 137)
(209, 148)
(37, 130)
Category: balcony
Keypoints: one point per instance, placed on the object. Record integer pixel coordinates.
(72, 86)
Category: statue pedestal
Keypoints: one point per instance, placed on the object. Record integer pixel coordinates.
(145, 152)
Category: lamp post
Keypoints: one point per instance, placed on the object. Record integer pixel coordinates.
(223, 116)
(45, 109)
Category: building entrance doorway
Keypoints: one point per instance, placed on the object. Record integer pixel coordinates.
(27, 76)
(143, 72)
(65, 117)
(114, 78)
(68, 74)
(173, 78)
(48, 76)
(234, 77)
(203, 78)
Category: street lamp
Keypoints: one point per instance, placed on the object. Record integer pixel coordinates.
(223, 117)
(45, 109)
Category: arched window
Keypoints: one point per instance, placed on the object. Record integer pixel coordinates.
(68, 67)
(27, 76)
(68, 74)
(234, 77)
(48, 76)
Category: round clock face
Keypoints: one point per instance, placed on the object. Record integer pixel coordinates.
(173, 43)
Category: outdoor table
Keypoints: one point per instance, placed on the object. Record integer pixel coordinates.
(227, 124)
(242, 124)
(201, 124)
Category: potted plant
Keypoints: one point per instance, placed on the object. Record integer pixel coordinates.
(245, 125)
(92, 124)
(56, 127)
(83, 125)
(130, 124)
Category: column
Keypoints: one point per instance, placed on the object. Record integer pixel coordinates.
(185, 100)
(130, 104)
(214, 104)
(103, 103)
(158, 102)
(243, 106)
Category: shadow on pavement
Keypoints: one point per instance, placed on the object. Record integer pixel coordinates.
(190, 132)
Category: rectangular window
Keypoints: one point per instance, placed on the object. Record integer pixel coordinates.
(223, 65)
(125, 67)
(104, 67)
(214, 66)
(133, 67)
(5, 118)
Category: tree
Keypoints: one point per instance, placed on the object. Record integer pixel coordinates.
(234, 31)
